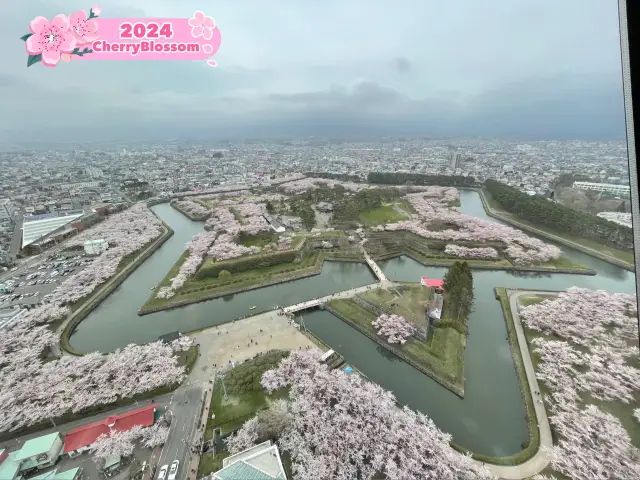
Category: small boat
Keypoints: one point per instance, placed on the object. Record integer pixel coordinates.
(153, 288)
(251, 308)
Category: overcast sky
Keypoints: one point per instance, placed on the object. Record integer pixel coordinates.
(532, 68)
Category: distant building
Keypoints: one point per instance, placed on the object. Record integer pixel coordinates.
(261, 462)
(610, 188)
(7, 209)
(455, 160)
(39, 453)
(617, 217)
(274, 224)
(95, 247)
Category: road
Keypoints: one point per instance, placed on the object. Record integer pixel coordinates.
(539, 461)
(186, 406)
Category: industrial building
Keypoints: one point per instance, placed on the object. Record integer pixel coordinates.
(610, 188)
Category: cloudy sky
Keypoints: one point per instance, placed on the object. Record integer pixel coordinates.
(526, 68)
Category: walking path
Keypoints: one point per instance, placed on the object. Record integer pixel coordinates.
(374, 266)
(334, 296)
(539, 461)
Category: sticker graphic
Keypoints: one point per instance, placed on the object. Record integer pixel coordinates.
(87, 37)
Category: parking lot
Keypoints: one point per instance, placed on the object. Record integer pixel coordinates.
(32, 285)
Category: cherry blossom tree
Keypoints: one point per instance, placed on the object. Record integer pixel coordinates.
(192, 208)
(34, 391)
(394, 327)
(593, 356)
(520, 248)
(487, 253)
(285, 242)
(123, 443)
(342, 427)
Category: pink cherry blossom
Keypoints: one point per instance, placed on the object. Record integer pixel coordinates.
(97, 10)
(593, 357)
(50, 39)
(342, 427)
(85, 31)
(394, 327)
(202, 25)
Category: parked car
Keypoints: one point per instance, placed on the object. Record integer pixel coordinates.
(174, 470)
(163, 472)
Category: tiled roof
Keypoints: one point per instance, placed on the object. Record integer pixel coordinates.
(86, 435)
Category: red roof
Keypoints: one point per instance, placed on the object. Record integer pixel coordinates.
(433, 282)
(86, 435)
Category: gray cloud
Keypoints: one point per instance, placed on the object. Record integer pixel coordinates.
(558, 75)
(402, 64)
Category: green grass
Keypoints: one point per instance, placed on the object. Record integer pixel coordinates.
(245, 396)
(194, 290)
(442, 353)
(260, 240)
(382, 214)
(564, 263)
(210, 463)
(527, 301)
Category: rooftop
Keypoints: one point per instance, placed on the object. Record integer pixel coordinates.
(55, 475)
(10, 466)
(36, 446)
(261, 462)
(33, 230)
(87, 434)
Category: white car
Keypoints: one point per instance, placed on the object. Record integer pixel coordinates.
(174, 470)
(163, 472)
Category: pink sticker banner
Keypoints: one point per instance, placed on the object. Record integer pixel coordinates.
(87, 37)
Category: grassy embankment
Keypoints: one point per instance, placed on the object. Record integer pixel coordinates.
(248, 272)
(622, 411)
(386, 213)
(441, 354)
(622, 255)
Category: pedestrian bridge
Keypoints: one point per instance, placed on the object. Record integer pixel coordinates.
(316, 302)
(373, 265)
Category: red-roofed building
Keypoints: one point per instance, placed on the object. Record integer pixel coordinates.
(79, 440)
(435, 283)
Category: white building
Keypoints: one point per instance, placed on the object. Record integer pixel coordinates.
(95, 247)
(7, 209)
(36, 228)
(613, 189)
(261, 462)
(617, 217)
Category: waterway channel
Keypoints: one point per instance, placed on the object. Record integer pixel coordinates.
(489, 420)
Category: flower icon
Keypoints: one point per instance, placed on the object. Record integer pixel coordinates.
(83, 29)
(50, 39)
(202, 26)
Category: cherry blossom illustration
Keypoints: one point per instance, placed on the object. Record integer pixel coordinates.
(202, 26)
(59, 39)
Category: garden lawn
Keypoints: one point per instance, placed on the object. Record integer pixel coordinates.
(382, 214)
(245, 395)
(210, 463)
(442, 354)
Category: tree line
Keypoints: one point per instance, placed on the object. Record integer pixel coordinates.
(458, 286)
(343, 177)
(540, 211)
(401, 178)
